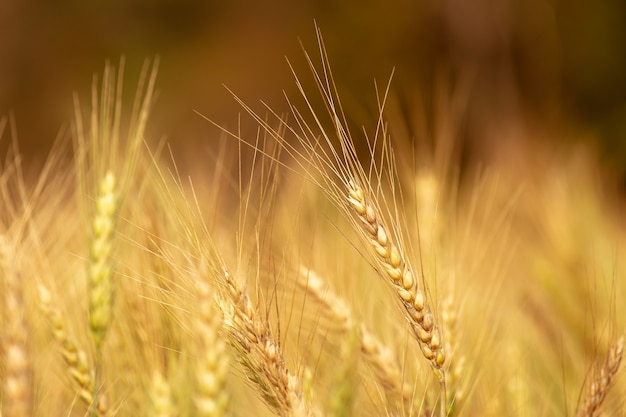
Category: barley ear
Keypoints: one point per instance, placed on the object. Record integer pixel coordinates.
(602, 381)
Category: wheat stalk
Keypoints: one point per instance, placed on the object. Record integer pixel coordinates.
(602, 381)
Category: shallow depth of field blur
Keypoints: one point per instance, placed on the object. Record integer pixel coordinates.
(535, 71)
(507, 122)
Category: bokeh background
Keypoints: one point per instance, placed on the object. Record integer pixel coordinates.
(525, 71)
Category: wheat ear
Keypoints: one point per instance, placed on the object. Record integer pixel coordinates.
(376, 354)
(101, 270)
(456, 362)
(343, 177)
(344, 180)
(397, 269)
(212, 398)
(602, 381)
(160, 396)
(100, 265)
(251, 335)
(17, 391)
(74, 357)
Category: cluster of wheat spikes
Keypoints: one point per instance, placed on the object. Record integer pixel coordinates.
(306, 271)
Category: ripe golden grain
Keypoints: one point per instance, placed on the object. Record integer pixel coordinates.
(260, 354)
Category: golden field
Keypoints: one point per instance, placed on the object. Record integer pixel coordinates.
(306, 267)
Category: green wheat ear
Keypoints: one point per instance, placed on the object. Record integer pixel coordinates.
(100, 265)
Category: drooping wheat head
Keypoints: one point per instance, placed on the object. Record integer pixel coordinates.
(359, 192)
(602, 381)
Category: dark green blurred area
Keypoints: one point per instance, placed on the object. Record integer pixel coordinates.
(528, 66)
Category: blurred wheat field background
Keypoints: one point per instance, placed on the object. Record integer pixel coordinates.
(306, 267)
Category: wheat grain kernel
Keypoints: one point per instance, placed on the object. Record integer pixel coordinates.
(382, 251)
(422, 334)
(419, 301)
(435, 342)
(427, 352)
(80, 376)
(358, 206)
(370, 214)
(85, 395)
(415, 315)
(355, 191)
(428, 322)
(441, 358)
(369, 227)
(394, 257)
(382, 236)
(394, 273)
(407, 280)
(407, 296)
